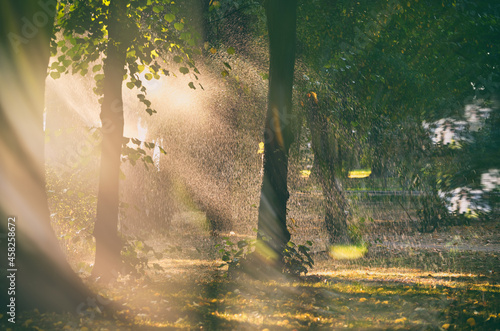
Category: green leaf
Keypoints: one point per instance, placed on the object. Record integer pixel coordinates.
(157, 9)
(184, 70)
(179, 26)
(230, 50)
(177, 59)
(96, 68)
(224, 73)
(191, 85)
(227, 65)
(98, 77)
(148, 76)
(55, 74)
(169, 17)
(130, 85)
(162, 150)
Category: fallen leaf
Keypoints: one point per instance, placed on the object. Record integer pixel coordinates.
(471, 321)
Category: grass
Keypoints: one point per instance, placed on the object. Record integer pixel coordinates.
(384, 289)
(345, 252)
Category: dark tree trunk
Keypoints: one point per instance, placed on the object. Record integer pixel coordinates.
(278, 136)
(327, 160)
(44, 279)
(108, 243)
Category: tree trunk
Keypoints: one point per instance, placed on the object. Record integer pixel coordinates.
(326, 159)
(108, 243)
(43, 278)
(278, 136)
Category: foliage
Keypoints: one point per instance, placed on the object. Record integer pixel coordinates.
(475, 156)
(135, 256)
(386, 67)
(71, 194)
(151, 43)
(233, 19)
(134, 154)
(232, 254)
(355, 231)
(432, 213)
(296, 258)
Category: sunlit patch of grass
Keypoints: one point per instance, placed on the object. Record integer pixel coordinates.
(358, 294)
(347, 252)
(360, 173)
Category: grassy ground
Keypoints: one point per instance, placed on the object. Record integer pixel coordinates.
(407, 287)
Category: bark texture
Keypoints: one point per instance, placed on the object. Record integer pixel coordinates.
(327, 158)
(108, 243)
(44, 279)
(278, 136)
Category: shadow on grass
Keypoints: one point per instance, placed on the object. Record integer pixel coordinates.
(360, 294)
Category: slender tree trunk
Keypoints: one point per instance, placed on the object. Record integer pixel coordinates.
(43, 278)
(326, 159)
(108, 243)
(278, 136)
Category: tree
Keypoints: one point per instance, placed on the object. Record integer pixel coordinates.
(44, 279)
(402, 64)
(132, 37)
(327, 158)
(108, 245)
(278, 136)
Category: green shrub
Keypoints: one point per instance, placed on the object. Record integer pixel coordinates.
(135, 256)
(296, 258)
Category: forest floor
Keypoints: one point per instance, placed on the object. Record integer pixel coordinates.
(446, 280)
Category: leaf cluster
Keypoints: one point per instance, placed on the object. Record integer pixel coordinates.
(136, 153)
(135, 255)
(152, 33)
(296, 258)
